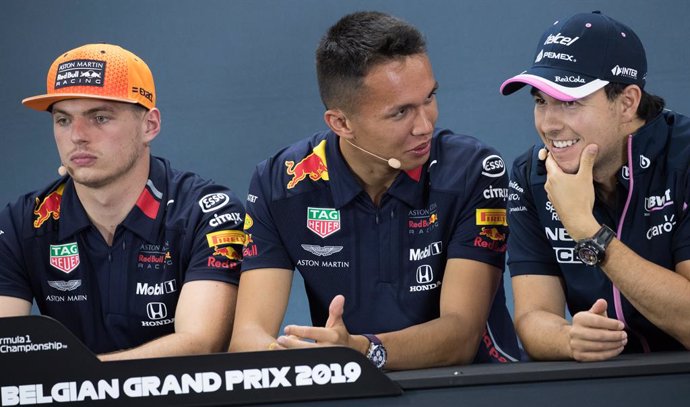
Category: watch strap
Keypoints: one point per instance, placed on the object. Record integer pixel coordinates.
(604, 236)
(373, 339)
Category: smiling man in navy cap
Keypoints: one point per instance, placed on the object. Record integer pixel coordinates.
(598, 209)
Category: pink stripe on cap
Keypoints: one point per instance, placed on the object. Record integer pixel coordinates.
(554, 90)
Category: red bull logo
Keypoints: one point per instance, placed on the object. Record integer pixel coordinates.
(49, 207)
(227, 252)
(312, 166)
(493, 234)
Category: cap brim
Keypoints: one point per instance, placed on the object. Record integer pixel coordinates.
(540, 78)
(43, 102)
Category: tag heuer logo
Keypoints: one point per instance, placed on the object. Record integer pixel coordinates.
(323, 221)
(64, 257)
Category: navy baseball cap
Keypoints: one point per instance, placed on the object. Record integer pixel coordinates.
(582, 54)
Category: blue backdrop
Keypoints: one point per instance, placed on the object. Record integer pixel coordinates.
(236, 79)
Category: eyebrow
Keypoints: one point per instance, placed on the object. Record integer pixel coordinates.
(103, 108)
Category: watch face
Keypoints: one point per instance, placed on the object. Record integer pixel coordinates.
(378, 356)
(588, 256)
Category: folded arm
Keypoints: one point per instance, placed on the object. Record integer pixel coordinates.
(203, 324)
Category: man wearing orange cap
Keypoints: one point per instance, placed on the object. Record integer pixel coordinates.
(137, 259)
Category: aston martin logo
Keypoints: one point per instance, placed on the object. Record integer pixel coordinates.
(68, 285)
(322, 251)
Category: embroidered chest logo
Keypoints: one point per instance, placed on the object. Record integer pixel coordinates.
(658, 202)
(323, 221)
(64, 257)
(423, 220)
(313, 166)
(50, 206)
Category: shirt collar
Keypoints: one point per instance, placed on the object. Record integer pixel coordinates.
(144, 219)
(408, 186)
(147, 215)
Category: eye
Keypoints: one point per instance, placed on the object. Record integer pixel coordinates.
(400, 113)
(101, 119)
(572, 103)
(60, 121)
(539, 101)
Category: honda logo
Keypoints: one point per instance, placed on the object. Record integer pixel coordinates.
(424, 274)
(156, 310)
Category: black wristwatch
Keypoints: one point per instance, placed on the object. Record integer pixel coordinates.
(592, 251)
(376, 353)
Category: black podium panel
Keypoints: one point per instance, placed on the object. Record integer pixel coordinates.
(41, 362)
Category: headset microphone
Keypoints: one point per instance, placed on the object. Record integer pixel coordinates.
(62, 171)
(392, 162)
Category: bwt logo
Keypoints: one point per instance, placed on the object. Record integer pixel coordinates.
(424, 274)
(156, 310)
(655, 203)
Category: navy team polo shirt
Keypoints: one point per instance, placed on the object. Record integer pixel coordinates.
(306, 210)
(183, 228)
(650, 218)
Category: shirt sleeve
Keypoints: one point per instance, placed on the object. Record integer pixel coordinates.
(481, 228)
(14, 279)
(529, 251)
(218, 236)
(265, 248)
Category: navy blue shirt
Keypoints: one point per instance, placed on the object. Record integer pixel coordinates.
(306, 210)
(183, 228)
(650, 217)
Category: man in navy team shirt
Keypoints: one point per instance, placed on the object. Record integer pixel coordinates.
(399, 229)
(602, 223)
(135, 258)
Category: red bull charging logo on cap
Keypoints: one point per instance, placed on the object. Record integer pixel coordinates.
(49, 207)
(312, 166)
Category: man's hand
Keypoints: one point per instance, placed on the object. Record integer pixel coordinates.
(333, 334)
(594, 336)
(572, 195)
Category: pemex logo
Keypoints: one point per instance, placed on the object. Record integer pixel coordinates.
(323, 221)
(314, 166)
(64, 257)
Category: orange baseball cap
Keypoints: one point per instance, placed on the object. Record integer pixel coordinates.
(97, 71)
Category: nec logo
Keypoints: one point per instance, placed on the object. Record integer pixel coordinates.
(156, 310)
(424, 274)
(566, 255)
(558, 234)
(431, 250)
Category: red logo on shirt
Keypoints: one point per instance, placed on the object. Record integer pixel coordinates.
(50, 206)
(312, 166)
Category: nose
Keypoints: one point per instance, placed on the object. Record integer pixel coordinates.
(547, 119)
(424, 122)
(79, 130)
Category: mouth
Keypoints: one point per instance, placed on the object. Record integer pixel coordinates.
(556, 144)
(82, 159)
(422, 149)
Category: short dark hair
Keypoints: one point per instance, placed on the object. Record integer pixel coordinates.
(650, 105)
(355, 44)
